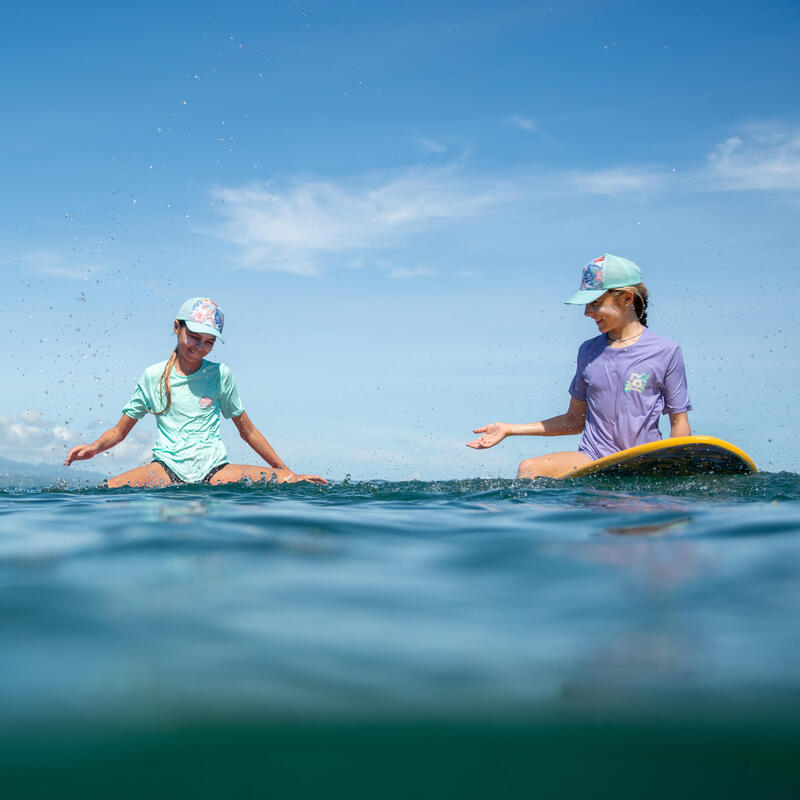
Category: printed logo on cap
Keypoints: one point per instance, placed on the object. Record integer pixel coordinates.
(593, 274)
(206, 312)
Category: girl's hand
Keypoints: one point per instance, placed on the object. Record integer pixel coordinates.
(493, 434)
(310, 478)
(80, 453)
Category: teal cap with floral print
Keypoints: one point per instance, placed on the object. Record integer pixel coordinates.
(202, 315)
(604, 273)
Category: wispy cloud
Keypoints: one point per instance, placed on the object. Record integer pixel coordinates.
(52, 262)
(29, 436)
(431, 146)
(523, 123)
(403, 273)
(304, 223)
(292, 229)
(615, 182)
(762, 159)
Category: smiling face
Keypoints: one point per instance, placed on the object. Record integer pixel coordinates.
(193, 347)
(612, 311)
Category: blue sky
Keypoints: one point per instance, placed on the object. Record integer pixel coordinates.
(390, 201)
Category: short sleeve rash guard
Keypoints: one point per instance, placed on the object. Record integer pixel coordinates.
(189, 440)
(626, 390)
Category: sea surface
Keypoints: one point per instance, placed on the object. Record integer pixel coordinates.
(465, 638)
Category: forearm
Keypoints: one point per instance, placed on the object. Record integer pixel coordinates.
(107, 440)
(562, 425)
(679, 425)
(258, 442)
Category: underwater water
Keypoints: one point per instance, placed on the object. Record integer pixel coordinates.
(445, 632)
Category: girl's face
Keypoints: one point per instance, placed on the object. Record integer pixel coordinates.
(193, 346)
(611, 311)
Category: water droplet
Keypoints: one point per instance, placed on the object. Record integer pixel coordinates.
(82, 297)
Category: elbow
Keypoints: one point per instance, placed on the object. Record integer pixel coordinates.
(245, 434)
(577, 425)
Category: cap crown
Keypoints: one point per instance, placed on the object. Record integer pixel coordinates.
(604, 273)
(202, 315)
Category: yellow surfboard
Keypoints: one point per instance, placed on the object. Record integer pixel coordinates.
(683, 455)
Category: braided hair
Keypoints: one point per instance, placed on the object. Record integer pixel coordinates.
(164, 381)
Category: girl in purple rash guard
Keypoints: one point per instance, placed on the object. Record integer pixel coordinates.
(626, 378)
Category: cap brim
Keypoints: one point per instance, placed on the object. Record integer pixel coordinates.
(585, 296)
(195, 328)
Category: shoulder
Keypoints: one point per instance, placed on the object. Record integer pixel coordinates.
(593, 345)
(217, 369)
(660, 343)
(154, 371)
(217, 366)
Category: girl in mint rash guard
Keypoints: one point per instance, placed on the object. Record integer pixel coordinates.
(187, 394)
(626, 378)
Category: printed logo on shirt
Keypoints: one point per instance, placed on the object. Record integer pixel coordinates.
(593, 274)
(206, 402)
(637, 382)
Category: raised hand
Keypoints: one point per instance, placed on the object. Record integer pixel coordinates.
(493, 434)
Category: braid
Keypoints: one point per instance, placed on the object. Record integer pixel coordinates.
(166, 375)
(164, 383)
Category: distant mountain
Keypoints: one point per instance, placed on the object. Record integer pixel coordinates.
(17, 475)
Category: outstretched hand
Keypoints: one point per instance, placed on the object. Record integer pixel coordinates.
(80, 453)
(493, 434)
(309, 478)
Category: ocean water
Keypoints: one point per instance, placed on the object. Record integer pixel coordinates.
(454, 638)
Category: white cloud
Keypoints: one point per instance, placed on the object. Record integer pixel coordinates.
(292, 229)
(431, 146)
(765, 159)
(615, 182)
(523, 123)
(305, 223)
(29, 437)
(403, 273)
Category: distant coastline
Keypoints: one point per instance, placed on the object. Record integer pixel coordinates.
(20, 475)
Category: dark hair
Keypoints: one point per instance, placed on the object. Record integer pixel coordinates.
(640, 299)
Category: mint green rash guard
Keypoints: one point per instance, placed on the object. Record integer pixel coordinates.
(189, 441)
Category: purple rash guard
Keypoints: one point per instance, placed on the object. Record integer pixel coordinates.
(626, 390)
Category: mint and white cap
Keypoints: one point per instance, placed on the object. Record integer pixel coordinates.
(604, 273)
(202, 315)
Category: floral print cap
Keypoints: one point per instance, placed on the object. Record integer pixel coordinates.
(604, 273)
(202, 315)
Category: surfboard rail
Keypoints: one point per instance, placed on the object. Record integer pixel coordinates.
(682, 455)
